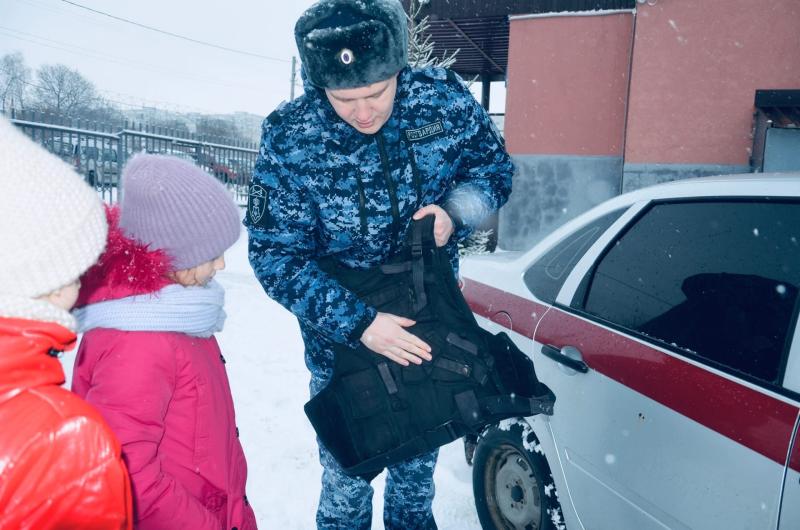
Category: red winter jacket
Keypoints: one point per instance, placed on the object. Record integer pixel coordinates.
(60, 465)
(166, 396)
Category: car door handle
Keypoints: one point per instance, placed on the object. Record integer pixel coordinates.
(556, 354)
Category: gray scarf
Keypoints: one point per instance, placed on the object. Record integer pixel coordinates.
(195, 311)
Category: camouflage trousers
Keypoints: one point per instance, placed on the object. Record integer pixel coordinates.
(345, 502)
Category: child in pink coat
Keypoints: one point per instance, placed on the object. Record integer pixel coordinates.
(148, 360)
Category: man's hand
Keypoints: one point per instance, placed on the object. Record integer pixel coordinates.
(442, 226)
(387, 337)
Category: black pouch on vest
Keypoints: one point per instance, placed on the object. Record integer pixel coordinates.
(375, 413)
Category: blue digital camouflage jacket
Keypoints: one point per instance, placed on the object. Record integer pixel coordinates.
(321, 188)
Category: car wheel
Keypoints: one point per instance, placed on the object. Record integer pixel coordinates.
(512, 483)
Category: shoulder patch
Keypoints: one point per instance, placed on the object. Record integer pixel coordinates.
(257, 203)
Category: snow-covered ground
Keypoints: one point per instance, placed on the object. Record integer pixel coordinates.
(262, 345)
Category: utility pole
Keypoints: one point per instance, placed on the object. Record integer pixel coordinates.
(294, 76)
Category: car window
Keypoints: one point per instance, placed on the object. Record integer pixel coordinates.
(547, 274)
(716, 280)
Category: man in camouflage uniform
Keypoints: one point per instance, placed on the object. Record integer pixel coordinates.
(341, 172)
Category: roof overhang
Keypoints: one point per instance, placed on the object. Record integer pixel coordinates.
(781, 107)
(479, 29)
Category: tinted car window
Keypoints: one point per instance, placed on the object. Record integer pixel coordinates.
(546, 275)
(715, 279)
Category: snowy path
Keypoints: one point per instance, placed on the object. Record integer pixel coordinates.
(262, 345)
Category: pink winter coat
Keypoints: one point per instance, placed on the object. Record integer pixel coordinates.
(166, 397)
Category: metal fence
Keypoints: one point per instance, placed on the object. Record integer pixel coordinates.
(99, 151)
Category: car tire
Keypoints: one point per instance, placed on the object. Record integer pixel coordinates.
(512, 483)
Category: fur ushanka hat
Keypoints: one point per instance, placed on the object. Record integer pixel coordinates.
(352, 43)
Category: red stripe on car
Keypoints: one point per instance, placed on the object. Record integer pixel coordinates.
(738, 412)
(489, 302)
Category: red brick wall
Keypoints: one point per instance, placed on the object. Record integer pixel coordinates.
(697, 64)
(567, 84)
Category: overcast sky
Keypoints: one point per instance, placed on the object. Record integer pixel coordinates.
(134, 65)
(137, 67)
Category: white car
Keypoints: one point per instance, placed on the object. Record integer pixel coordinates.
(666, 323)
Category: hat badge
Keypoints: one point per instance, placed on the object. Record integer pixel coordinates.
(346, 56)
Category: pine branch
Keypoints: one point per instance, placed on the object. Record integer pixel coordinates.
(476, 244)
(420, 44)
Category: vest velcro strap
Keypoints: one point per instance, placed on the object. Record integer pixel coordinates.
(455, 367)
(518, 405)
(388, 380)
(418, 279)
(416, 237)
(442, 435)
(462, 344)
(418, 264)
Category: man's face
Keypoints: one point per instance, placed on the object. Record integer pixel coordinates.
(366, 108)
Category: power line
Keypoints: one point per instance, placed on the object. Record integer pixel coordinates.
(171, 34)
(69, 11)
(180, 107)
(92, 54)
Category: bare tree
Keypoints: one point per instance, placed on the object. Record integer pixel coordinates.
(63, 90)
(14, 80)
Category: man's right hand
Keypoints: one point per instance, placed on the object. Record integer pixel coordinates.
(386, 336)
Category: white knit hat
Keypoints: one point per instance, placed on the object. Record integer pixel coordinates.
(53, 225)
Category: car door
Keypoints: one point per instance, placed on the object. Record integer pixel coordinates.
(678, 419)
(790, 505)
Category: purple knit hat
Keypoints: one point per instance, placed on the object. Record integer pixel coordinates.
(173, 205)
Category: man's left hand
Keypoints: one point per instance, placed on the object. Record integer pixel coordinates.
(442, 226)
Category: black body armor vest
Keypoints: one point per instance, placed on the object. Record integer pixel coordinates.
(375, 412)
